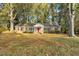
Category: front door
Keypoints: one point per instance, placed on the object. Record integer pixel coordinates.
(38, 29)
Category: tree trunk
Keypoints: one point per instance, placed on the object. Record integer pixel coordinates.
(11, 26)
(11, 19)
(71, 20)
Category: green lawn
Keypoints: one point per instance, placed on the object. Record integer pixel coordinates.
(38, 45)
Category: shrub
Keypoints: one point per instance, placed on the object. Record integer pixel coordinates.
(54, 31)
(2, 29)
(28, 31)
(46, 31)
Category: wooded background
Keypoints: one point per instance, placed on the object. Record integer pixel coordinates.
(66, 14)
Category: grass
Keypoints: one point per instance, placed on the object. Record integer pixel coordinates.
(13, 44)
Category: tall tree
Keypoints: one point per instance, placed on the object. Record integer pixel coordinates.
(71, 19)
(8, 13)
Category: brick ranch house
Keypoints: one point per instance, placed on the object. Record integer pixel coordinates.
(36, 28)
